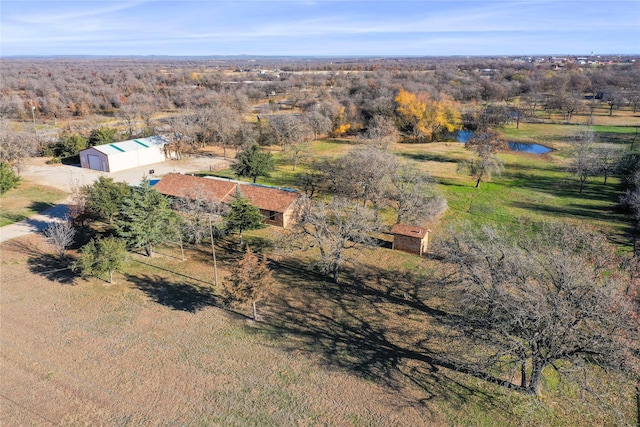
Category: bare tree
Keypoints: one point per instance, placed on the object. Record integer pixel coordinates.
(221, 125)
(381, 131)
(332, 228)
(608, 159)
(16, 146)
(197, 207)
(552, 300)
(288, 129)
(415, 197)
(60, 235)
(128, 113)
(363, 174)
(318, 123)
(298, 153)
(485, 144)
(583, 162)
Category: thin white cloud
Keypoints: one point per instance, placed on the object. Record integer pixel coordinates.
(85, 10)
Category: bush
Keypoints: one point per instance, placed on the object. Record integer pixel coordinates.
(8, 178)
(69, 146)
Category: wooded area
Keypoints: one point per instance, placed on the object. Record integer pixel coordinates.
(521, 301)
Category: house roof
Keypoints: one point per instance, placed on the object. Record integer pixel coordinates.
(410, 230)
(269, 198)
(264, 197)
(131, 145)
(179, 185)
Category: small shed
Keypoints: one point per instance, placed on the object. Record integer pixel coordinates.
(410, 238)
(124, 155)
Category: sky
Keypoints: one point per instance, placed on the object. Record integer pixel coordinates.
(319, 27)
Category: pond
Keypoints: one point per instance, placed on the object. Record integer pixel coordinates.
(464, 135)
(529, 148)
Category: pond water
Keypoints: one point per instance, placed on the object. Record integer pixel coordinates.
(529, 148)
(464, 135)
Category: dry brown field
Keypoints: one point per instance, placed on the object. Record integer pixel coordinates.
(155, 349)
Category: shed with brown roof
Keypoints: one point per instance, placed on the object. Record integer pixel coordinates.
(410, 238)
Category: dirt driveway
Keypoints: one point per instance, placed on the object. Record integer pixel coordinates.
(65, 177)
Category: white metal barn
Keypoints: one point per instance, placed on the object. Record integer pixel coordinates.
(124, 155)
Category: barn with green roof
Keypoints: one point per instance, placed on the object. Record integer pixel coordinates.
(124, 155)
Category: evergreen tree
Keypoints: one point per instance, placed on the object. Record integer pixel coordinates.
(253, 162)
(69, 146)
(105, 198)
(242, 216)
(101, 256)
(8, 178)
(146, 219)
(102, 136)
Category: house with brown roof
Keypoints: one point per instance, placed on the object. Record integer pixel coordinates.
(189, 186)
(409, 238)
(275, 204)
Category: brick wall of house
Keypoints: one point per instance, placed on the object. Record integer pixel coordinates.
(272, 218)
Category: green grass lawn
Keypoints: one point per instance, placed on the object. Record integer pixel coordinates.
(27, 200)
(530, 188)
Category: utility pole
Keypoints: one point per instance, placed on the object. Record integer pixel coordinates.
(213, 251)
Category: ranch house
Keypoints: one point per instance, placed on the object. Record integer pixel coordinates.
(275, 204)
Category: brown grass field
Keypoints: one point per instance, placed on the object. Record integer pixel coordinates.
(157, 348)
(154, 349)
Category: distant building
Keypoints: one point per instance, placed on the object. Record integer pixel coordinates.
(409, 238)
(124, 155)
(275, 204)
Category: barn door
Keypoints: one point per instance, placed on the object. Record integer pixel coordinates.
(94, 162)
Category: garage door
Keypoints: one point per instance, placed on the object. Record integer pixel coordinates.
(94, 162)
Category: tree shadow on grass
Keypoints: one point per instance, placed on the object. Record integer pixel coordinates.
(40, 206)
(376, 325)
(177, 295)
(573, 210)
(429, 157)
(52, 268)
(41, 262)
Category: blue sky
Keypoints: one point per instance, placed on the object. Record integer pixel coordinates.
(319, 27)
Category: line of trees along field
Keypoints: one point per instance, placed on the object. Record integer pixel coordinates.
(542, 299)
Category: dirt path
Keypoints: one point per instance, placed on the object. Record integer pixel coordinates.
(35, 224)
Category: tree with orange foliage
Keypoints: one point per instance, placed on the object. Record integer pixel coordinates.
(425, 118)
(250, 280)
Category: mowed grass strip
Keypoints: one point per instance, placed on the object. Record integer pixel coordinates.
(26, 200)
(152, 349)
